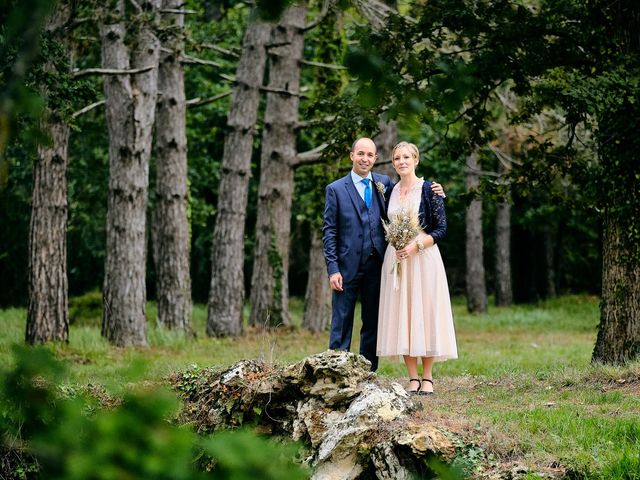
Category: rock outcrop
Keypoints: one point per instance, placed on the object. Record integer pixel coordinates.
(353, 424)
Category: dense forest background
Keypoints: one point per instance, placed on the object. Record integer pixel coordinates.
(178, 152)
(163, 166)
(554, 249)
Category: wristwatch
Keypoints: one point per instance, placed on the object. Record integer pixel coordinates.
(420, 245)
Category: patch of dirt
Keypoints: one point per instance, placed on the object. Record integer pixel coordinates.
(73, 357)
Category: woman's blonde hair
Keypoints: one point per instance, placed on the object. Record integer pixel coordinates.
(409, 146)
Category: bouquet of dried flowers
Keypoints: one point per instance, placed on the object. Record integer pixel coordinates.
(399, 231)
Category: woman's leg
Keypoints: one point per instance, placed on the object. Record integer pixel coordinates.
(412, 368)
(427, 374)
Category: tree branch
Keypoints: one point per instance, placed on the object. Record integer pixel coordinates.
(87, 108)
(136, 5)
(310, 156)
(481, 101)
(216, 48)
(321, 16)
(503, 158)
(317, 121)
(281, 91)
(479, 171)
(177, 11)
(376, 13)
(78, 21)
(109, 71)
(198, 102)
(323, 65)
(199, 61)
(276, 45)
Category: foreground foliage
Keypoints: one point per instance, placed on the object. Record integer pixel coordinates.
(523, 390)
(57, 433)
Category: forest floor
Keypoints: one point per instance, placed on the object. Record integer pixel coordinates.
(522, 394)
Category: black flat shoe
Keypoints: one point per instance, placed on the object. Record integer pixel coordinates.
(414, 392)
(422, 392)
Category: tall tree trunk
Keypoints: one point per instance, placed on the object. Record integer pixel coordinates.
(619, 329)
(476, 286)
(504, 289)
(618, 338)
(328, 83)
(130, 111)
(269, 283)
(385, 141)
(48, 312)
(317, 299)
(550, 263)
(226, 294)
(171, 226)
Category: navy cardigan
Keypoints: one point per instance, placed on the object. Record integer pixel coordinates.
(431, 214)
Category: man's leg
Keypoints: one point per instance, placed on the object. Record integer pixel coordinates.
(370, 295)
(343, 305)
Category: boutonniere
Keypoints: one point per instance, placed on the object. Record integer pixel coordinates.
(381, 187)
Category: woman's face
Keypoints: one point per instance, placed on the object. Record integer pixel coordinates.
(404, 162)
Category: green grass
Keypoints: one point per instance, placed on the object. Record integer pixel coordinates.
(523, 389)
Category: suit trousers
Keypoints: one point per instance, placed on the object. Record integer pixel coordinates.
(366, 283)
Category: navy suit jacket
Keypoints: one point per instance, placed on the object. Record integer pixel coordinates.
(343, 227)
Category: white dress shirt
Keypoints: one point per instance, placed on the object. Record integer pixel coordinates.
(357, 181)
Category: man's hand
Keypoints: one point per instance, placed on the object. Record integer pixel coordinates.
(335, 282)
(437, 189)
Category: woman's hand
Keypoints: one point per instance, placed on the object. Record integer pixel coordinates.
(407, 251)
(437, 189)
(425, 239)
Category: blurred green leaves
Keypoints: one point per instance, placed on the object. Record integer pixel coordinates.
(20, 24)
(241, 455)
(454, 85)
(59, 438)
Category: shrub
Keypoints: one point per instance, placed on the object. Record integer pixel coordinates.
(86, 309)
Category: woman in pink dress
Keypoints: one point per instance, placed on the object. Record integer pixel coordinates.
(415, 319)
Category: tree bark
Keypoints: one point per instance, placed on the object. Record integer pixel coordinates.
(226, 293)
(618, 146)
(618, 338)
(269, 283)
(475, 280)
(550, 264)
(317, 299)
(171, 226)
(504, 288)
(130, 111)
(328, 83)
(48, 311)
(385, 141)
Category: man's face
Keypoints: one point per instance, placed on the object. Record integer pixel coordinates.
(363, 156)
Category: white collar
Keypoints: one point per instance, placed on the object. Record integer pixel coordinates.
(357, 178)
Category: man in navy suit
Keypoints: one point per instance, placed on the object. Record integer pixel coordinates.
(354, 247)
